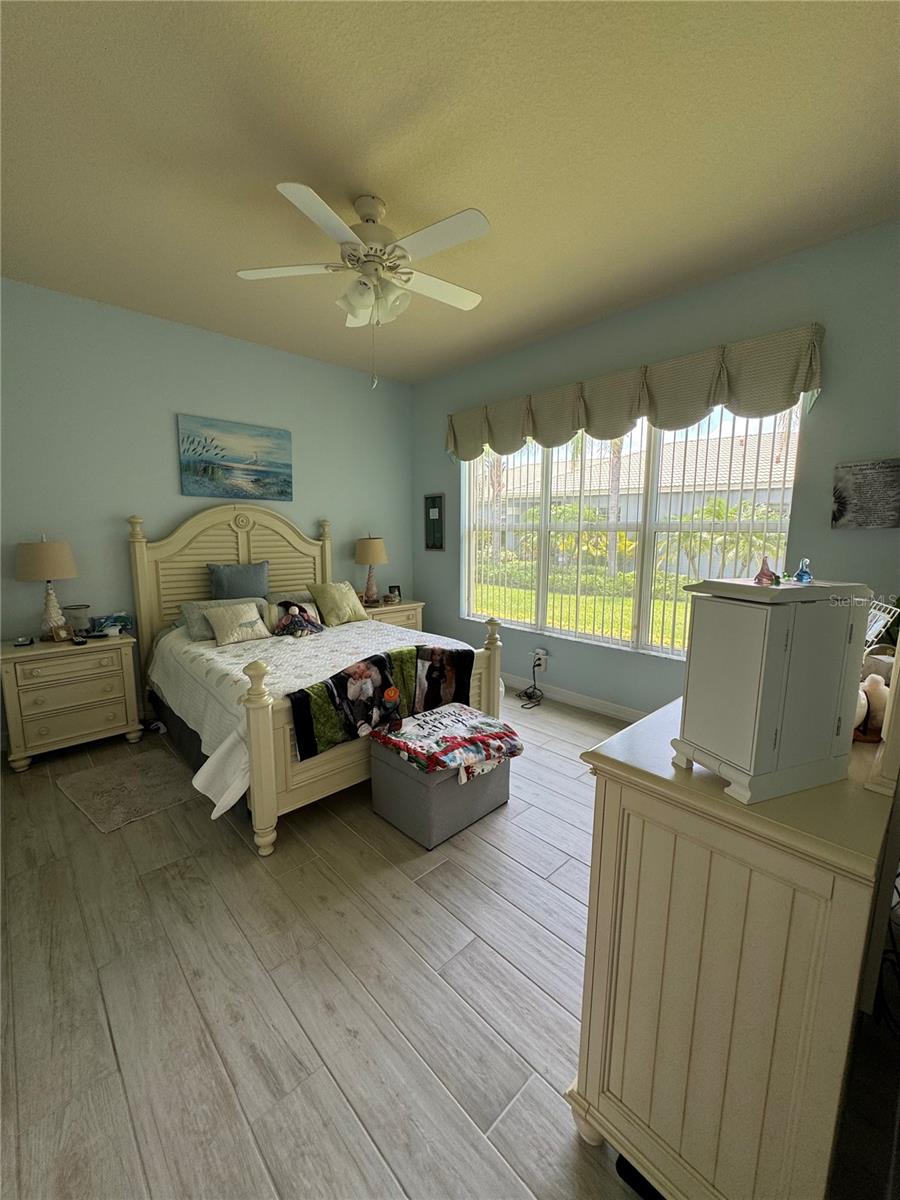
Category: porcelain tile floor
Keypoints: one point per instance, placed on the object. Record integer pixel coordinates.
(353, 1018)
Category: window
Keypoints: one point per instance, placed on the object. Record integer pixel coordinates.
(596, 539)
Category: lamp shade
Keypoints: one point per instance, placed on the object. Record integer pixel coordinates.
(38, 561)
(370, 551)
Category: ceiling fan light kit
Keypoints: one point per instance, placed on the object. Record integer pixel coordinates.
(380, 260)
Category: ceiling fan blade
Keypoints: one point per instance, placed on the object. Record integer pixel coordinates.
(440, 289)
(282, 272)
(317, 210)
(463, 226)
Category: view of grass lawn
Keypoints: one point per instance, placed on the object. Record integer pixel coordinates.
(603, 616)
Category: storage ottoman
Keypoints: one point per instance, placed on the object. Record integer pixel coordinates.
(431, 806)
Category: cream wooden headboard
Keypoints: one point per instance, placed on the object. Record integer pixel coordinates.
(169, 572)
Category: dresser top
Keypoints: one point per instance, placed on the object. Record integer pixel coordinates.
(841, 824)
(10, 652)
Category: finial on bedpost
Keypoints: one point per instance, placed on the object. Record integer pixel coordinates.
(493, 633)
(325, 529)
(137, 529)
(257, 694)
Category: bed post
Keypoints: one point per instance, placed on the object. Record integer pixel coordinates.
(137, 543)
(325, 534)
(261, 748)
(493, 646)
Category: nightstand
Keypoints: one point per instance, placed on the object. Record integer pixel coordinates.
(57, 694)
(407, 612)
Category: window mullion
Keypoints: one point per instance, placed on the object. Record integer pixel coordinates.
(543, 566)
(643, 585)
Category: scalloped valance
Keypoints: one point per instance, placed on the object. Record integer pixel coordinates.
(754, 378)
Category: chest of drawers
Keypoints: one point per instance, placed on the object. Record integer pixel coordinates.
(58, 694)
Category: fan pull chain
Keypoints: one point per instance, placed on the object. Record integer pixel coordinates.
(374, 380)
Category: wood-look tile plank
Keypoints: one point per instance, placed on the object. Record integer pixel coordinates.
(265, 1051)
(262, 910)
(581, 790)
(537, 1138)
(9, 1123)
(536, 795)
(355, 810)
(314, 1145)
(62, 1042)
(576, 843)
(563, 766)
(544, 958)
(32, 835)
(105, 753)
(85, 1150)
(434, 1149)
(153, 842)
(426, 925)
(116, 910)
(464, 1052)
(517, 843)
(193, 1137)
(66, 762)
(544, 1033)
(543, 902)
(573, 877)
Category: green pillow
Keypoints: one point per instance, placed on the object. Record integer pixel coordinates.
(337, 603)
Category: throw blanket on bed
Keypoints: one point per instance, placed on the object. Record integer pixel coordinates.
(378, 691)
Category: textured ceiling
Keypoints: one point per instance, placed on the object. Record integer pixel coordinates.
(621, 151)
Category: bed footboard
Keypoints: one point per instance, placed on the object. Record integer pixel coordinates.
(279, 785)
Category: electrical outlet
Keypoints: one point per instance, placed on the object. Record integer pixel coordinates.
(539, 658)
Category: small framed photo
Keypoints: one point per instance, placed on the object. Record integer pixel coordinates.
(434, 521)
(61, 633)
(395, 594)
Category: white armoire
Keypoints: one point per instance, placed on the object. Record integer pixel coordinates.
(771, 683)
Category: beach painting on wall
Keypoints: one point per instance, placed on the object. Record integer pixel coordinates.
(233, 460)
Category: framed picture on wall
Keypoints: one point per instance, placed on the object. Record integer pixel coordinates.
(234, 460)
(434, 521)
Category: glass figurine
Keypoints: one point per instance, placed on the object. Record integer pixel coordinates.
(803, 574)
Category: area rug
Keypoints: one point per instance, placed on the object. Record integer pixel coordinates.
(125, 791)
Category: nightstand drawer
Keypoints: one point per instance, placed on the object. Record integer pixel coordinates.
(34, 701)
(409, 618)
(68, 666)
(42, 731)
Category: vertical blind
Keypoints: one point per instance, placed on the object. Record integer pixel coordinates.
(595, 538)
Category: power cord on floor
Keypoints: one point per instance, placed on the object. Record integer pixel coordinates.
(532, 695)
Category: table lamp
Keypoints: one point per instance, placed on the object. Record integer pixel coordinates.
(43, 560)
(370, 552)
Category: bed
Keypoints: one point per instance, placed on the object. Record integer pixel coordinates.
(171, 571)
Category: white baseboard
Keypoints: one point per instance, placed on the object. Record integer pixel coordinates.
(606, 708)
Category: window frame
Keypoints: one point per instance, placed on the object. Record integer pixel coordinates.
(649, 528)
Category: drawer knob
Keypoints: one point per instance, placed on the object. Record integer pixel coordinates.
(111, 717)
(107, 689)
(105, 662)
(34, 671)
(38, 701)
(44, 729)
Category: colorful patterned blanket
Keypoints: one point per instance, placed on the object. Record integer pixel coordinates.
(378, 691)
(455, 736)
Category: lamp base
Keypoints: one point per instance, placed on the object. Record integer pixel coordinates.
(53, 615)
(371, 596)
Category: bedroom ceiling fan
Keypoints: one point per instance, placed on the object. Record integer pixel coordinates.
(379, 260)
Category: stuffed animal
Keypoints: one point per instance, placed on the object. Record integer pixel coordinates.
(873, 691)
(293, 623)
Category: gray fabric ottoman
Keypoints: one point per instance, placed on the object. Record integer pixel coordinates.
(429, 807)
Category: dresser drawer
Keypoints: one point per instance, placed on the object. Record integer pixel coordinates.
(409, 618)
(68, 666)
(77, 722)
(34, 701)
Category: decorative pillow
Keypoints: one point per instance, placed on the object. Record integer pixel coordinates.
(236, 623)
(194, 613)
(337, 603)
(235, 581)
(299, 596)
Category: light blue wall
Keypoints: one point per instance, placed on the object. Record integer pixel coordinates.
(850, 286)
(90, 395)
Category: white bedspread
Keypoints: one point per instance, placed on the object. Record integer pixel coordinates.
(203, 683)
